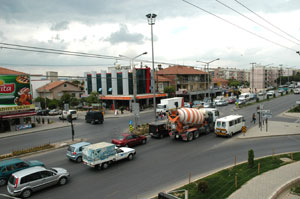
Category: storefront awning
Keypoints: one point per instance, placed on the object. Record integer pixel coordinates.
(18, 115)
(146, 96)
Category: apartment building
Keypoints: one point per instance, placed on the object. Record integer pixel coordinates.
(230, 73)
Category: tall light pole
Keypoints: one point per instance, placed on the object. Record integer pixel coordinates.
(252, 78)
(151, 21)
(207, 68)
(134, 79)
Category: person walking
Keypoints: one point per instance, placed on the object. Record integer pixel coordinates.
(253, 118)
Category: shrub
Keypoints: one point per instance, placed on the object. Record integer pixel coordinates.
(281, 94)
(257, 99)
(250, 158)
(202, 186)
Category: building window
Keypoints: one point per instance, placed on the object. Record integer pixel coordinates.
(59, 94)
(65, 85)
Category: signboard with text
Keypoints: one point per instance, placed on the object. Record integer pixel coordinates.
(15, 93)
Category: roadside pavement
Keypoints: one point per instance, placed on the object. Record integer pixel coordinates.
(270, 184)
(61, 124)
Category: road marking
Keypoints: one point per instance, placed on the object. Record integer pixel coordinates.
(8, 196)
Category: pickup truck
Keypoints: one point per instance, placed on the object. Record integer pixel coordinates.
(101, 155)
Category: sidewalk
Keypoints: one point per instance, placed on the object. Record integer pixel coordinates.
(268, 185)
(275, 128)
(61, 124)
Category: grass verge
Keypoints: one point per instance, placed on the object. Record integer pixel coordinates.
(25, 151)
(222, 184)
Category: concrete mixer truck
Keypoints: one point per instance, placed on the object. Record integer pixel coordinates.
(188, 123)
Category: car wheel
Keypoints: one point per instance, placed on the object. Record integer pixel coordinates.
(105, 165)
(130, 157)
(26, 193)
(144, 141)
(230, 134)
(79, 159)
(2, 182)
(190, 136)
(196, 134)
(161, 136)
(63, 181)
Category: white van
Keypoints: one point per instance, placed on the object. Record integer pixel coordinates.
(64, 114)
(244, 97)
(227, 126)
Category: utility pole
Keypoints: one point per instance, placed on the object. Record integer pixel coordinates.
(280, 71)
(252, 79)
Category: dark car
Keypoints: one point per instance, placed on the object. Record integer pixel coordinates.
(94, 117)
(158, 129)
(7, 167)
(129, 140)
(42, 112)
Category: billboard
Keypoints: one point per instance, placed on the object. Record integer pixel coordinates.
(15, 93)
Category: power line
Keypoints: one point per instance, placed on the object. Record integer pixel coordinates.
(239, 26)
(257, 23)
(72, 53)
(266, 20)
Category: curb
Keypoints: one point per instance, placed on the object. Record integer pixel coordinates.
(12, 135)
(263, 136)
(284, 187)
(217, 170)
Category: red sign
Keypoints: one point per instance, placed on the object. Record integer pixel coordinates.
(7, 88)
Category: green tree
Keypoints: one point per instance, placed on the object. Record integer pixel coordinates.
(92, 98)
(53, 104)
(170, 90)
(74, 101)
(66, 98)
(42, 101)
(234, 83)
(250, 158)
(76, 82)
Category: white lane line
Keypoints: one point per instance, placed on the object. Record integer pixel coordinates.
(8, 196)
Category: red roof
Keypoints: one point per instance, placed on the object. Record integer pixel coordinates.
(180, 70)
(50, 86)
(162, 79)
(5, 71)
(219, 80)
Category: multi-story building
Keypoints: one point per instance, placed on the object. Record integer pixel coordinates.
(115, 87)
(230, 73)
(187, 81)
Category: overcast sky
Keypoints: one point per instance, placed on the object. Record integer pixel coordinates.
(183, 33)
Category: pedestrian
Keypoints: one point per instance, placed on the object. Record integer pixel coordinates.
(253, 118)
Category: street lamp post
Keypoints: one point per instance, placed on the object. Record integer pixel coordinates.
(207, 68)
(134, 79)
(151, 21)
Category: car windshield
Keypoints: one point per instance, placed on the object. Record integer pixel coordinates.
(12, 179)
(72, 112)
(224, 124)
(121, 137)
(53, 170)
(160, 106)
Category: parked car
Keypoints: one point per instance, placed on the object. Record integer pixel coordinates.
(158, 129)
(209, 105)
(65, 114)
(7, 167)
(23, 183)
(281, 91)
(54, 112)
(94, 117)
(186, 105)
(297, 91)
(261, 93)
(129, 140)
(42, 112)
(74, 151)
(252, 96)
(231, 100)
(221, 103)
(241, 101)
(270, 93)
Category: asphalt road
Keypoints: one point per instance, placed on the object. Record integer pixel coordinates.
(159, 164)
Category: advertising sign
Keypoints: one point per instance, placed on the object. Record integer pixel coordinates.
(15, 93)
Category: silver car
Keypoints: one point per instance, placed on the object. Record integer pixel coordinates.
(23, 183)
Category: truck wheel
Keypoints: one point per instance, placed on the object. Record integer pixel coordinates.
(130, 157)
(207, 130)
(196, 134)
(190, 137)
(105, 165)
(98, 167)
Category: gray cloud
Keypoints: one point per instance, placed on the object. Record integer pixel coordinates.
(2, 35)
(123, 35)
(60, 26)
